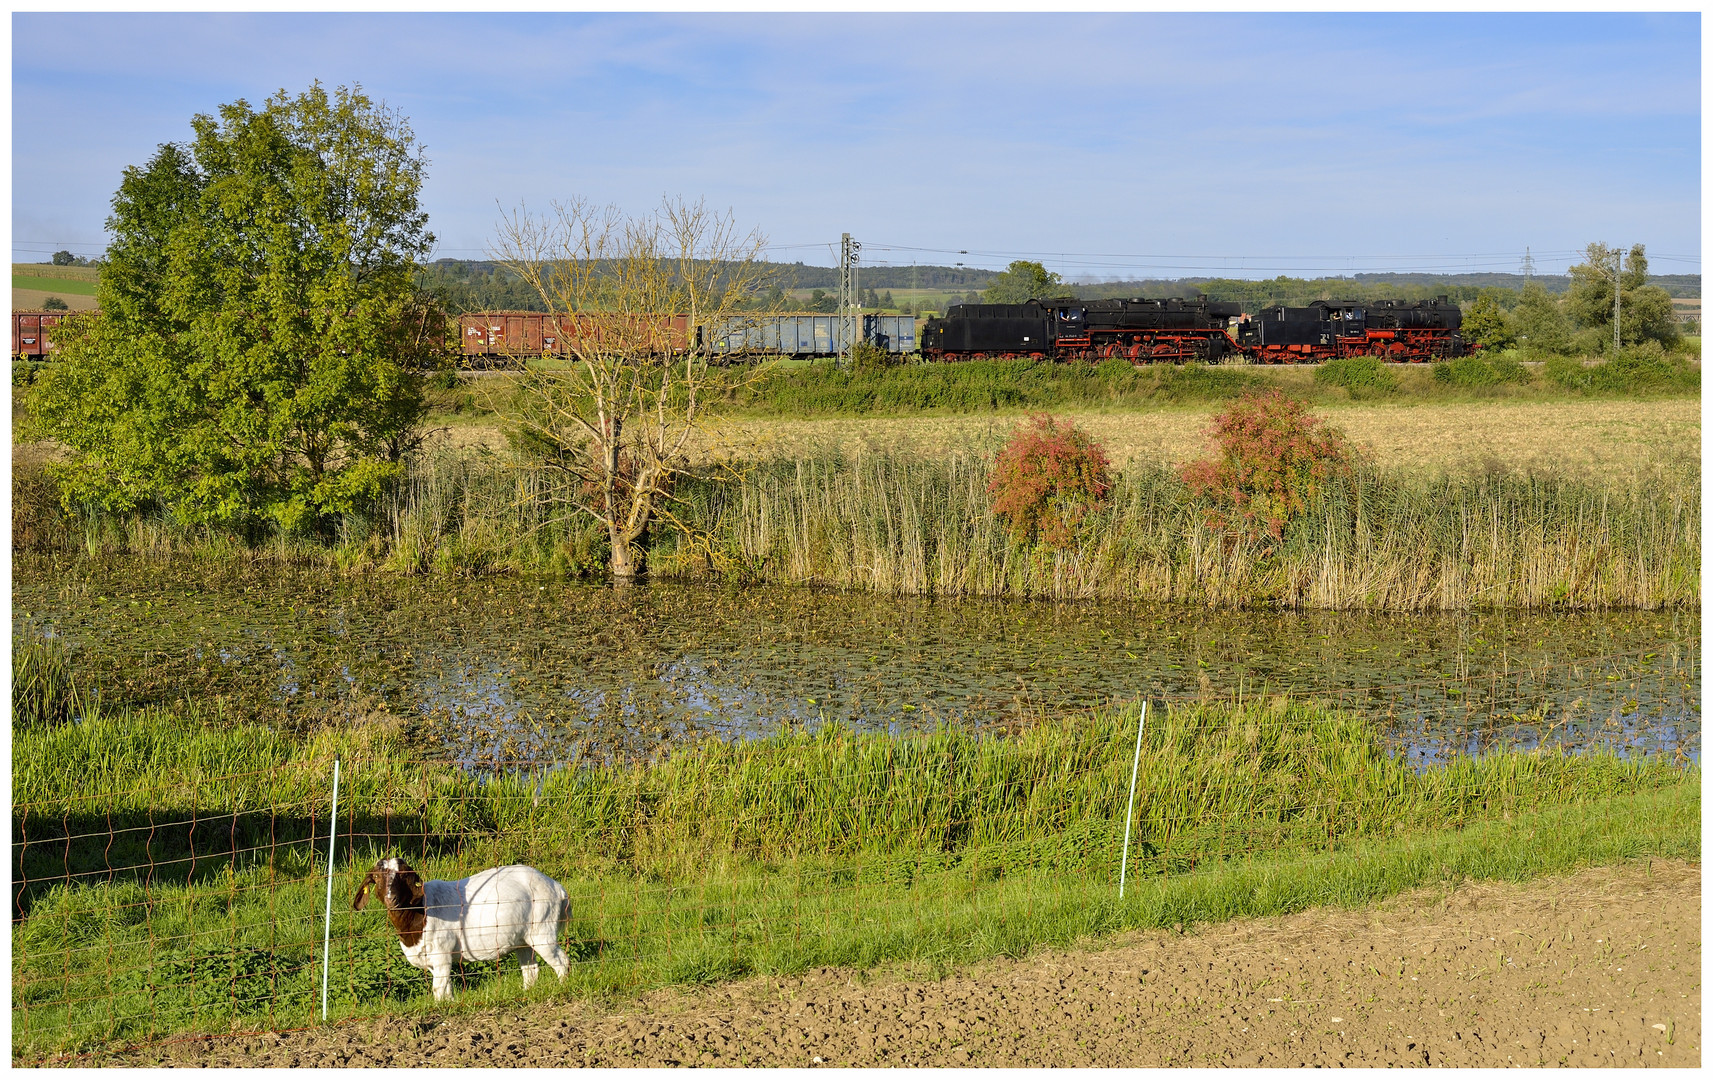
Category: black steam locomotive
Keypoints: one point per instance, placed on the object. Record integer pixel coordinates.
(1178, 330)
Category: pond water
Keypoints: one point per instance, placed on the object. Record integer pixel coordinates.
(541, 671)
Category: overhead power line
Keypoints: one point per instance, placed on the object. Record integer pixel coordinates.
(1121, 264)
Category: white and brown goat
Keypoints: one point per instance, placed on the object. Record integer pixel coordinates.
(482, 917)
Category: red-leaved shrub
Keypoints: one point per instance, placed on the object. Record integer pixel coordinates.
(1273, 455)
(1047, 479)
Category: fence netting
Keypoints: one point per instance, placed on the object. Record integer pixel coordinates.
(190, 902)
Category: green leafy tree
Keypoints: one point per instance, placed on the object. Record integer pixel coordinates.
(54, 303)
(1021, 281)
(64, 258)
(1485, 323)
(1539, 322)
(259, 353)
(1645, 309)
(1648, 317)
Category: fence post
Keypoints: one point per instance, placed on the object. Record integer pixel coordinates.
(1124, 863)
(327, 921)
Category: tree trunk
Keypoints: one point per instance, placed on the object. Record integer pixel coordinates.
(628, 557)
(621, 562)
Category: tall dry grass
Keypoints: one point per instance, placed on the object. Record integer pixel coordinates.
(903, 524)
(1376, 540)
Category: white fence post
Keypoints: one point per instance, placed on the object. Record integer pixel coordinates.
(327, 922)
(1130, 806)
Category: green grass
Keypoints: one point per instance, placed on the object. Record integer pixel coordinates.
(1481, 370)
(1362, 377)
(73, 286)
(981, 386)
(823, 389)
(43, 690)
(171, 876)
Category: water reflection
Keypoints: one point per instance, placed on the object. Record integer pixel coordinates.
(551, 671)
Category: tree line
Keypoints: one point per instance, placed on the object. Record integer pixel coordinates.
(1579, 322)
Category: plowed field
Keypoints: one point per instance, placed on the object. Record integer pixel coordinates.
(1600, 968)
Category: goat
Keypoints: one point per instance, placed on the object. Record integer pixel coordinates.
(508, 909)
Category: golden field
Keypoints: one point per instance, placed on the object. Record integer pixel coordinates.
(1607, 439)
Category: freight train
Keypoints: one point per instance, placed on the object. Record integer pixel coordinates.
(1173, 331)
(486, 338)
(1138, 330)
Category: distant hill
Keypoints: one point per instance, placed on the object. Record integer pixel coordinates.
(473, 285)
(962, 278)
(1682, 285)
(480, 285)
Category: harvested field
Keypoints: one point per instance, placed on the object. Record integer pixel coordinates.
(1606, 439)
(33, 299)
(1598, 968)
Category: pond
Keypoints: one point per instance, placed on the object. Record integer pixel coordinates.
(541, 671)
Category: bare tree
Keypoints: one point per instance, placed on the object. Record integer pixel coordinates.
(636, 304)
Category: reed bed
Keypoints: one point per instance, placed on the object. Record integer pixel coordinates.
(1375, 540)
(901, 524)
(44, 691)
(170, 868)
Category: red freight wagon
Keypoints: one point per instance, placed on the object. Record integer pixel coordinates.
(502, 334)
(29, 333)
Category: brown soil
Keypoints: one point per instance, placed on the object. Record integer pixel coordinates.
(1600, 968)
(33, 299)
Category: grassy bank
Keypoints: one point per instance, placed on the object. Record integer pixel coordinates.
(904, 525)
(982, 386)
(171, 867)
(800, 390)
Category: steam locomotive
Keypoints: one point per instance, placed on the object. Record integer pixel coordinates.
(1178, 330)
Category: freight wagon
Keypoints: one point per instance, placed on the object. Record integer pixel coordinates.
(810, 335)
(488, 336)
(29, 333)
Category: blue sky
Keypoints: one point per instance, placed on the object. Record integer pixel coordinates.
(1105, 145)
